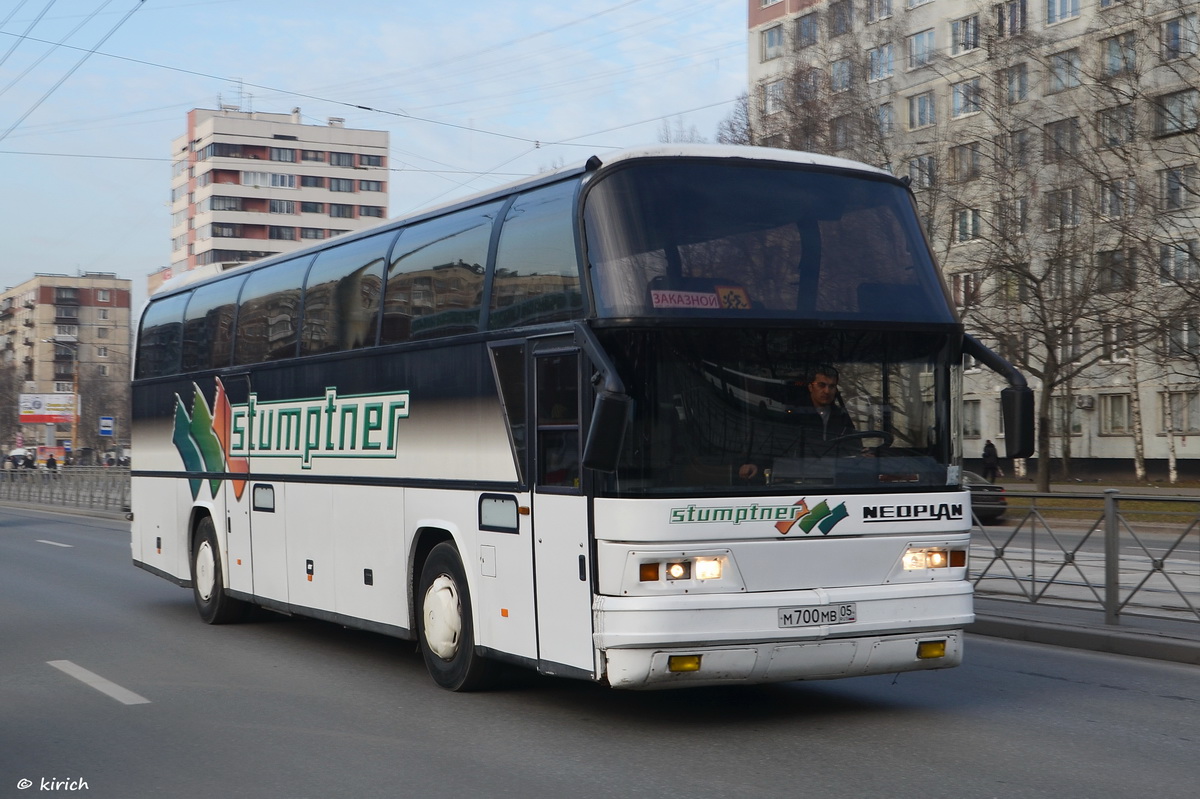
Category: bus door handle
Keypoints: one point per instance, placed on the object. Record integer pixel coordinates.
(582, 569)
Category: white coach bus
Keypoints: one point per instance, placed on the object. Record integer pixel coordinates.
(572, 424)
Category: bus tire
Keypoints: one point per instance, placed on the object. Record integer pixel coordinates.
(208, 585)
(445, 629)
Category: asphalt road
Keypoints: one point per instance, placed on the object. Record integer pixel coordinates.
(111, 687)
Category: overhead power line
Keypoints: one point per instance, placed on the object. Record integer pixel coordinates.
(71, 71)
(47, 54)
(33, 23)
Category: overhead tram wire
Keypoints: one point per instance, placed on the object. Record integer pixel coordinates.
(49, 52)
(303, 95)
(161, 160)
(13, 13)
(506, 71)
(21, 38)
(466, 65)
(72, 70)
(363, 107)
(570, 87)
(488, 66)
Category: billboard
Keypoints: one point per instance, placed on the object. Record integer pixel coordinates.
(47, 408)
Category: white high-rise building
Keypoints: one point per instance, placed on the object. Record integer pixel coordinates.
(248, 185)
(1053, 152)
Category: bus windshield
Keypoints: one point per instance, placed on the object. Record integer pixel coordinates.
(770, 409)
(741, 240)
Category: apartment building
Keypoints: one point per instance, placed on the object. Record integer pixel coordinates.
(64, 336)
(1052, 149)
(247, 185)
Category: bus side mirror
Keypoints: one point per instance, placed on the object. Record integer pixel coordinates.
(606, 434)
(1016, 403)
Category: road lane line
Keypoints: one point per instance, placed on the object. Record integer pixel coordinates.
(55, 543)
(107, 687)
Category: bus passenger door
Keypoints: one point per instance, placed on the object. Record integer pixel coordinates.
(562, 552)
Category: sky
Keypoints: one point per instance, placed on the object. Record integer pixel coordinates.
(474, 94)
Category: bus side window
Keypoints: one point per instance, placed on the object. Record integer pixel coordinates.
(537, 270)
(159, 343)
(208, 326)
(269, 313)
(341, 296)
(435, 279)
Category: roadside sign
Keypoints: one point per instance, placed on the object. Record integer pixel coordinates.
(106, 425)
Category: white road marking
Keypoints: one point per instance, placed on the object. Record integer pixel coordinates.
(107, 687)
(55, 543)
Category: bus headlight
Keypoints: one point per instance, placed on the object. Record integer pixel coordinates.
(712, 571)
(920, 558)
(689, 569)
(708, 568)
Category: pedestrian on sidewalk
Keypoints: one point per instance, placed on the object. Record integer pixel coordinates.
(991, 462)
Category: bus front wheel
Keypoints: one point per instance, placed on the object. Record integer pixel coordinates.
(445, 629)
(208, 586)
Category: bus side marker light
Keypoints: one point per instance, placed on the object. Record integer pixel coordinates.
(504, 613)
(682, 663)
(928, 650)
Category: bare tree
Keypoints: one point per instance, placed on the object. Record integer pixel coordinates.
(737, 128)
(675, 131)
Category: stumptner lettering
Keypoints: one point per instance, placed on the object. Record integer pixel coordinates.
(329, 426)
(745, 513)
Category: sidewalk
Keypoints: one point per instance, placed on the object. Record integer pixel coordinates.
(1161, 639)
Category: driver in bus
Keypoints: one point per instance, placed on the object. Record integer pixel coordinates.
(824, 419)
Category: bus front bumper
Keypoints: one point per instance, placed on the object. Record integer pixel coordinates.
(664, 642)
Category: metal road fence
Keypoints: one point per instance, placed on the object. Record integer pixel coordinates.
(1128, 554)
(86, 487)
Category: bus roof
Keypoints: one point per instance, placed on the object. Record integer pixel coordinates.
(205, 273)
(738, 152)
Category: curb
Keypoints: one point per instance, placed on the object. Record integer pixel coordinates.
(1115, 641)
(69, 510)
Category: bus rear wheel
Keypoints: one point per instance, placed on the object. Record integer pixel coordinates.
(208, 585)
(444, 627)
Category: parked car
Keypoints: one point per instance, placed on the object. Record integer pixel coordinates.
(987, 499)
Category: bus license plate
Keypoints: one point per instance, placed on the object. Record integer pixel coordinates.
(842, 613)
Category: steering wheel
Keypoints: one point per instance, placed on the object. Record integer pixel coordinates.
(860, 435)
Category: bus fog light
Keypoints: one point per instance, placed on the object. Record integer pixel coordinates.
(928, 650)
(679, 663)
(709, 568)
